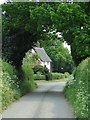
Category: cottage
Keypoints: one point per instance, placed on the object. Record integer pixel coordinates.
(44, 58)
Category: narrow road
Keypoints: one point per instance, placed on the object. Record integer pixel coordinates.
(47, 101)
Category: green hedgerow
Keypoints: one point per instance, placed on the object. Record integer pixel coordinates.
(56, 75)
(39, 77)
(11, 87)
(10, 90)
(77, 90)
(27, 84)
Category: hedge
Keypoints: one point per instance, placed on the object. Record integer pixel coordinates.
(11, 87)
(51, 76)
(59, 75)
(10, 90)
(39, 77)
(27, 83)
(77, 90)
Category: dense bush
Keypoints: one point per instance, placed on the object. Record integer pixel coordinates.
(42, 73)
(51, 76)
(66, 74)
(12, 87)
(40, 69)
(57, 75)
(39, 77)
(43, 77)
(77, 91)
(27, 83)
(9, 84)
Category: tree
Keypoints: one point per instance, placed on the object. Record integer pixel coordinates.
(25, 23)
(61, 59)
(16, 39)
(74, 22)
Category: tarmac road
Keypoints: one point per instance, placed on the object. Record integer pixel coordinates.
(47, 101)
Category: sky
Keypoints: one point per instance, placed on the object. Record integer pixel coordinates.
(2, 1)
(65, 44)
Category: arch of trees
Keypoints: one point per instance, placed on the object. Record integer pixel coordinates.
(23, 24)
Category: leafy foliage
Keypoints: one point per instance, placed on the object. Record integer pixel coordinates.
(25, 23)
(27, 83)
(57, 76)
(21, 30)
(40, 70)
(33, 58)
(77, 90)
(9, 86)
(75, 18)
(17, 39)
(60, 56)
(39, 77)
(53, 76)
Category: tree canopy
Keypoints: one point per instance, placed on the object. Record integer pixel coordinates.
(60, 56)
(25, 23)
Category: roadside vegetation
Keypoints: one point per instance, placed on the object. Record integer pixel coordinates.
(77, 90)
(27, 82)
(12, 85)
(53, 76)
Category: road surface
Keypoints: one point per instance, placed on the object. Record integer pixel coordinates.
(47, 101)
